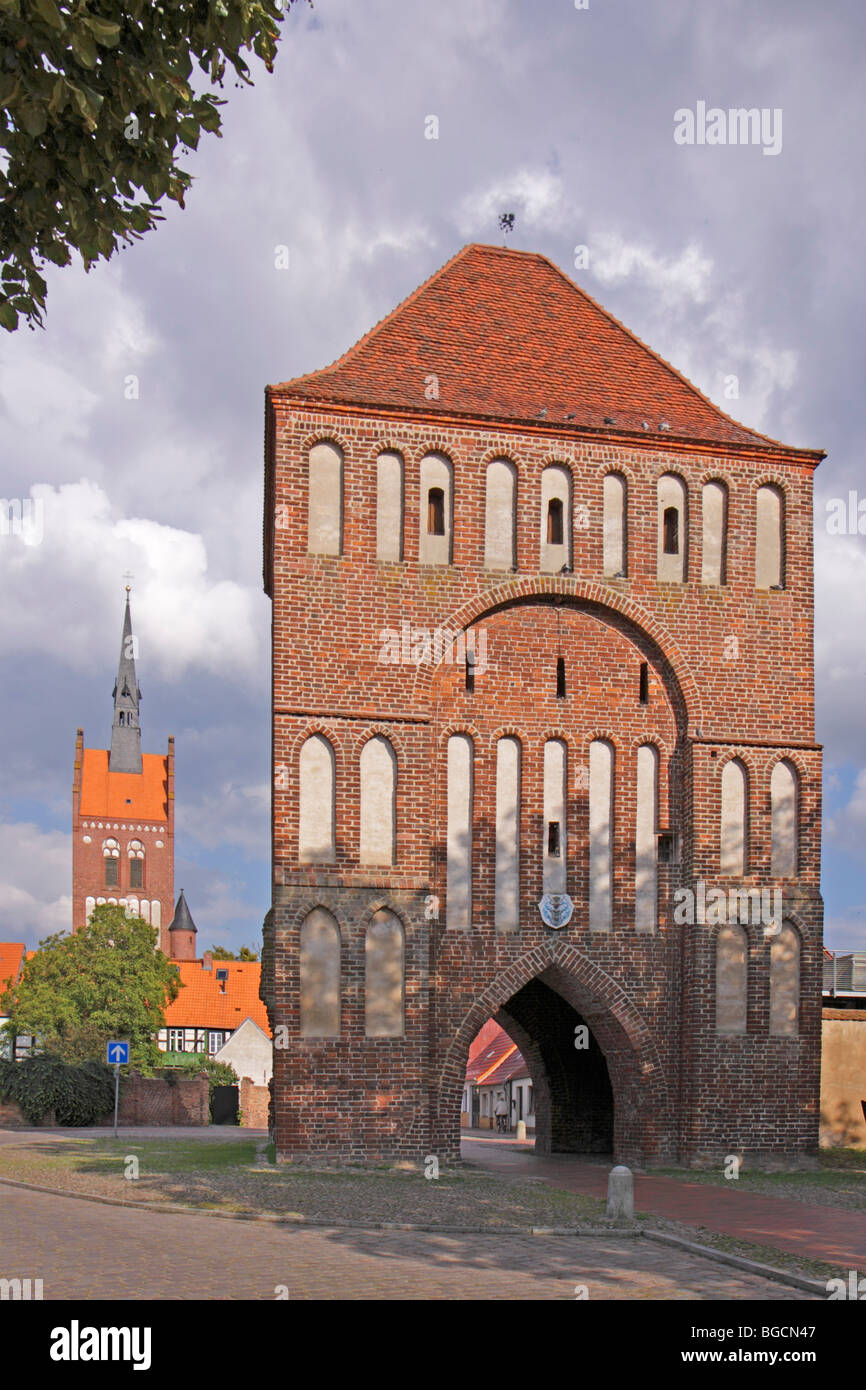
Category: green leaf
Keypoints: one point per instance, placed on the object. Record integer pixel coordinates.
(189, 130)
(48, 11)
(33, 118)
(105, 31)
(59, 96)
(8, 316)
(10, 88)
(84, 48)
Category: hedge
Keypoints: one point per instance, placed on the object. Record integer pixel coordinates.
(81, 1094)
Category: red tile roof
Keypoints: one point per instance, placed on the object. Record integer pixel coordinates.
(12, 956)
(510, 1068)
(496, 1061)
(510, 337)
(105, 793)
(486, 1034)
(201, 1003)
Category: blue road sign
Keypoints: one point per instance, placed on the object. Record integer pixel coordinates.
(117, 1053)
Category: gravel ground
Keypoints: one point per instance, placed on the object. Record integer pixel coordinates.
(456, 1198)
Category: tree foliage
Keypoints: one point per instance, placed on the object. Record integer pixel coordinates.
(223, 953)
(97, 100)
(44, 1085)
(105, 981)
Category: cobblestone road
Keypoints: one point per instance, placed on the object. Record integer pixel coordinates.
(84, 1250)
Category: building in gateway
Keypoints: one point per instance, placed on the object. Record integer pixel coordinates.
(543, 737)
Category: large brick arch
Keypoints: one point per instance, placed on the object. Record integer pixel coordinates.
(642, 1103)
(592, 598)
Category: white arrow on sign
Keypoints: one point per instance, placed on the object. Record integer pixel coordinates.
(118, 1052)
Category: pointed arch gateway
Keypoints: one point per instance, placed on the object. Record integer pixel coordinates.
(640, 1131)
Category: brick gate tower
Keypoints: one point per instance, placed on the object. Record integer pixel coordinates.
(123, 813)
(543, 743)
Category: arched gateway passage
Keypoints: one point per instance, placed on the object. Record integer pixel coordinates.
(610, 1097)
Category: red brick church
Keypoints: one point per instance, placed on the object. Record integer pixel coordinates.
(123, 813)
(543, 738)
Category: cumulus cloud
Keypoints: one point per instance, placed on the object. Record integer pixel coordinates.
(234, 815)
(35, 882)
(63, 590)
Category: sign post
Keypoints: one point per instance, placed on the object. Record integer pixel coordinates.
(117, 1055)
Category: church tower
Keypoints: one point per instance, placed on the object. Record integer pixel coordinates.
(123, 812)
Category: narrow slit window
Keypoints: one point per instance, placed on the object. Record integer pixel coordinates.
(560, 678)
(470, 670)
(112, 878)
(554, 521)
(671, 524)
(644, 683)
(436, 512)
(553, 839)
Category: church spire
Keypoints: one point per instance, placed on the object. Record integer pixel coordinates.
(125, 753)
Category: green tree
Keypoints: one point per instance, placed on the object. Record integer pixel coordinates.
(82, 988)
(94, 111)
(223, 953)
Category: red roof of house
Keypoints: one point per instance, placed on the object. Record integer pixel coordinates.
(508, 336)
(496, 1061)
(484, 1037)
(123, 794)
(202, 1004)
(12, 956)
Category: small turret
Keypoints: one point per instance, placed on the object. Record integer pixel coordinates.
(182, 932)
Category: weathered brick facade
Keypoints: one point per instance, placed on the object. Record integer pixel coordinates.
(658, 1082)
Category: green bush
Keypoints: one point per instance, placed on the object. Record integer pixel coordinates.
(81, 1094)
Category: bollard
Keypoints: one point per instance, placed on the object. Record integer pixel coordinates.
(521, 1129)
(620, 1194)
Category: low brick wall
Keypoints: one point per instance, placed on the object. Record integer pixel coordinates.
(143, 1101)
(11, 1117)
(254, 1101)
(148, 1100)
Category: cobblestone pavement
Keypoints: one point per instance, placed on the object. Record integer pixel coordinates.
(83, 1250)
(837, 1237)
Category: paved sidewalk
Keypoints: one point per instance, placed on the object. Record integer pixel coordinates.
(83, 1251)
(221, 1134)
(814, 1232)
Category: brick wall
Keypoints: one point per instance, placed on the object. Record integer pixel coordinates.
(679, 1090)
(254, 1102)
(157, 1101)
